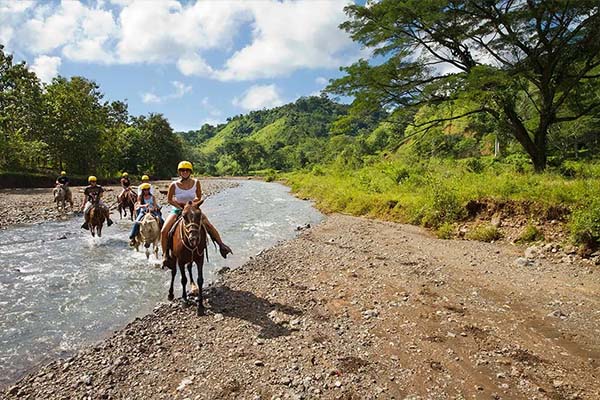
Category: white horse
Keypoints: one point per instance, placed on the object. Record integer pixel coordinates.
(149, 234)
(60, 198)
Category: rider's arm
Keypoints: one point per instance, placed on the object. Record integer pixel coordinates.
(84, 198)
(171, 196)
(198, 192)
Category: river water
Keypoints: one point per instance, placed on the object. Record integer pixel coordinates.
(61, 289)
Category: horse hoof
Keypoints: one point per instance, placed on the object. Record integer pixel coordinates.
(200, 312)
(170, 297)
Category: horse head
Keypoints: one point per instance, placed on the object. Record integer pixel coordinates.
(192, 220)
(149, 228)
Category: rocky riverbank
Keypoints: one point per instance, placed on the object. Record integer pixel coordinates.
(358, 309)
(30, 206)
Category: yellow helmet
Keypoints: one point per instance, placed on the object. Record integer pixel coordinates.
(145, 186)
(125, 175)
(92, 178)
(63, 173)
(145, 178)
(185, 165)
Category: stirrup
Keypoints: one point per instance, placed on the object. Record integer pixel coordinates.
(85, 226)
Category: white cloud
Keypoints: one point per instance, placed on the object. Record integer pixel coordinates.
(46, 67)
(321, 81)
(177, 32)
(212, 110)
(150, 98)
(193, 65)
(258, 97)
(288, 36)
(180, 90)
(12, 14)
(83, 33)
(285, 35)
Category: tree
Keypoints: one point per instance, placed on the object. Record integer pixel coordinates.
(20, 114)
(75, 120)
(529, 64)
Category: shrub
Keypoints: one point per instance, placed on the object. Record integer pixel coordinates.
(445, 231)
(530, 234)
(474, 165)
(444, 206)
(484, 233)
(585, 225)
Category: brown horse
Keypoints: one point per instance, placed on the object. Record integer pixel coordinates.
(127, 202)
(97, 217)
(189, 246)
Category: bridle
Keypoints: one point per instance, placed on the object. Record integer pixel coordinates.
(185, 231)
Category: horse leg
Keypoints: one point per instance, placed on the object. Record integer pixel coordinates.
(200, 280)
(183, 281)
(193, 286)
(173, 273)
(99, 230)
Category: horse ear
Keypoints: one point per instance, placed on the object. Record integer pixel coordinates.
(198, 203)
(190, 202)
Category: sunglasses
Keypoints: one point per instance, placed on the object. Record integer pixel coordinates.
(185, 170)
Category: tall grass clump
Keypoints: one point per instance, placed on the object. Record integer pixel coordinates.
(585, 225)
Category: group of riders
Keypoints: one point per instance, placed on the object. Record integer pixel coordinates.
(180, 192)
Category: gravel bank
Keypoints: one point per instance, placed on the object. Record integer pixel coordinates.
(358, 309)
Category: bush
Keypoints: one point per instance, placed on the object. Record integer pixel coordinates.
(484, 233)
(445, 231)
(444, 206)
(474, 165)
(530, 234)
(585, 225)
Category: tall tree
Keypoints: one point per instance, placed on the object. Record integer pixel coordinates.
(529, 64)
(75, 120)
(20, 113)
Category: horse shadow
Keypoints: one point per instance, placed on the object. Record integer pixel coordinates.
(246, 305)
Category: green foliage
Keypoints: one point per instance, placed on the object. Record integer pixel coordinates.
(585, 225)
(445, 231)
(527, 94)
(66, 125)
(530, 234)
(484, 233)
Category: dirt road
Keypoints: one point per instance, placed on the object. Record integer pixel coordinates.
(359, 309)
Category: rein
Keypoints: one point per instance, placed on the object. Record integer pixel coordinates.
(185, 230)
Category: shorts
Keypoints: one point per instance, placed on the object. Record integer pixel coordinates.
(175, 211)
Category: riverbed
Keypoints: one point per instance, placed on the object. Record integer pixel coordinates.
(61, 289)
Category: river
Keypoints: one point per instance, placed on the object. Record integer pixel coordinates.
(61, 289)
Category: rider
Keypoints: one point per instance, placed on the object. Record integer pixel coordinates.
(180, 192)
(145, 202)
(92, 192)
(125, 183)
(63, 180)
(145, 179)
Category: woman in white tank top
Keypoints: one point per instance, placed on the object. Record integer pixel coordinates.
(180, 193)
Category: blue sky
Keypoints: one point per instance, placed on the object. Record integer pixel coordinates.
(195, 62)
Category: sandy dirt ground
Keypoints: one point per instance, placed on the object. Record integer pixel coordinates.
(358, 309)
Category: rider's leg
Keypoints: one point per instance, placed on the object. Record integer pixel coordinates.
(86, 215)
(214, 234)
(135, 229)
(109, 221)
(164, 236)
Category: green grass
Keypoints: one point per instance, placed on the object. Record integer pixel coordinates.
(435, 194)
